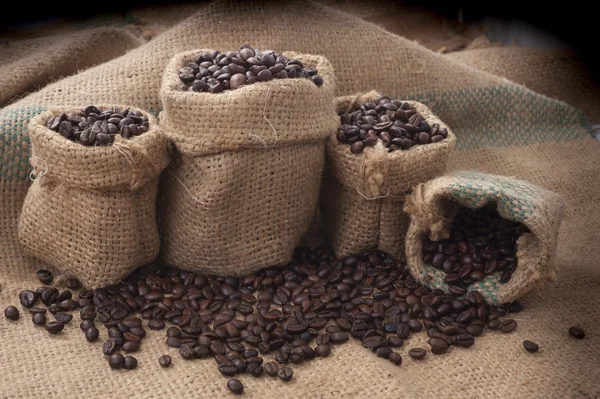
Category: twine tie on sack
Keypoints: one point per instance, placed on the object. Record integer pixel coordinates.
(426, 217)
(35, 167)
(128, 149)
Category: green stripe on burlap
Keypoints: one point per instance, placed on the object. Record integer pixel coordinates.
(14, 142)
(506, 116)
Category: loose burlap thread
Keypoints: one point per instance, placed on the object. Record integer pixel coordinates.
(432, 207)
(363, 194)
(244, 186)
(91, 211)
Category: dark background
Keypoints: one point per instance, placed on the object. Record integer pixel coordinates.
(574, 22)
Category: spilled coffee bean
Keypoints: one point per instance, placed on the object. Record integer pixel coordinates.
(215, 72)
(393, 122)
(530, 346)
(95, 127)
(11, 313)
(576, 332)
(481, 244)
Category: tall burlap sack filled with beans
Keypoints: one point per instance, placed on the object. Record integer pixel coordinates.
(91, 211)
(433, 205)
(245, 181)
(363, 194)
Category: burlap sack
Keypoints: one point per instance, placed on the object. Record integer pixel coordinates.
(503, 128)
(245, 183)
(91, 211)
(363, 194)
(433, 205)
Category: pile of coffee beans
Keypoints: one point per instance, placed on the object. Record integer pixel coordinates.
(393, 122)
(482, 243)
(270, 320)
(215, 72)
(95, 127)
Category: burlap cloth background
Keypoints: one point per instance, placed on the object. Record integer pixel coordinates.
(501, 128)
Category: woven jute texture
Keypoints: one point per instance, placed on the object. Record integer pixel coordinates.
(501, 128)
(363, 194)
(30, 63)
(245, 183)
(554, 73)
(91, 211)
(433, 205)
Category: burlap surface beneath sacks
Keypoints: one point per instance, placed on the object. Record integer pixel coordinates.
(31, 63)
(500, 127)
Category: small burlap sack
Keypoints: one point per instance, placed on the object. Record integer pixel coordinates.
(246, 181)
(363, 194)
(433, 205)
(91, 211)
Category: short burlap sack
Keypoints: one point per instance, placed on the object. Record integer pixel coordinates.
(245, 181)
(363, 194)
(91, 211)
(433, 205)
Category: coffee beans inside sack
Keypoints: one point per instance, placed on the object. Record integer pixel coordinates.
(470, 231)
(382, 149)
(244, 184)
(90, 211)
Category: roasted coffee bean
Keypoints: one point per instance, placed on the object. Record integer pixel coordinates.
(11, 313)
(339, 337)
(92, 334)
(403, 330)
(438, 345)
(110, 346)
(271, 368)
(130, 363)
(576, 332)
(228, 370)
(116, 361)
(322, 350)
(394, 358)
(45, 276)
(187, 352)
(508, 325)
(164, 360)
(417, 353)
(235, 386)
(130, 346)
(256, 369)
(54, 327)
(285, 373)
(28, 298)
(72, 283)
(216, 71)
(155, 324)
(86, 324)
(63, 317)
(395, 341)
(465, 340)
(39, 319)
(530, 346)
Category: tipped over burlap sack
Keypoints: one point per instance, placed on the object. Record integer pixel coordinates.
(363, 194)
(91, 211)
(245, 181)
(433, 205)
